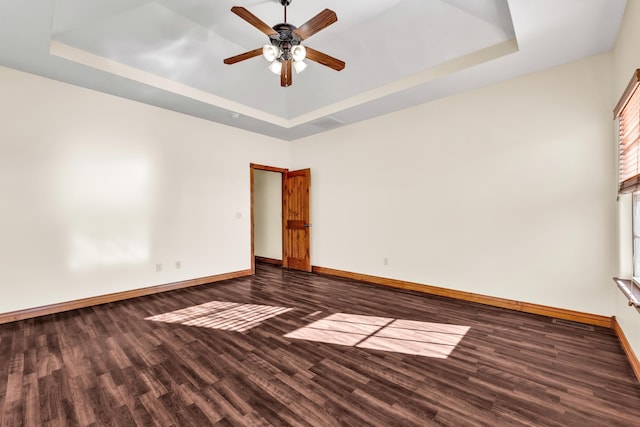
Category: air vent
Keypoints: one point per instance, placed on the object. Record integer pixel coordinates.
(327, 123)
(571, 324)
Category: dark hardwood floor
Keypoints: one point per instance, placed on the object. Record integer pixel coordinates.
(109, 365)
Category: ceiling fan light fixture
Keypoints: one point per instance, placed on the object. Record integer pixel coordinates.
(276, 67)
(298, 53)
(299, 66)
(270, 52)
(284, 48)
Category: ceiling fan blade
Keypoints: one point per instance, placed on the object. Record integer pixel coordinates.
(324, 59)
(253, 20)
(286, 79)
(319, 22)
(243, 56)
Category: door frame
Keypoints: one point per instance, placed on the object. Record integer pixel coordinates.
(282, 171)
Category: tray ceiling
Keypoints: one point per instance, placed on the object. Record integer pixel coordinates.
(399, 53)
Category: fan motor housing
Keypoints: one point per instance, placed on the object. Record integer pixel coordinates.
(285, 38)
(285, 32)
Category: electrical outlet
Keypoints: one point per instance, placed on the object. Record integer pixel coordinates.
(385, 261)
(178, 265)
(158, 267)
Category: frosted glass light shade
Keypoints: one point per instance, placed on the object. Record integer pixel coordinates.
(298, 53)
(276, 67)
(299, 66)
(270, 52)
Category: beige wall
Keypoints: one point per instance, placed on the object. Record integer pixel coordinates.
(626, 59)
(505, 191)
(97, 190)
(267, 214)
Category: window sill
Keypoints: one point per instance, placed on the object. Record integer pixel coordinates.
(630, 290)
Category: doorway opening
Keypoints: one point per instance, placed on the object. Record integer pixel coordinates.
(280, 223)
(267, 190)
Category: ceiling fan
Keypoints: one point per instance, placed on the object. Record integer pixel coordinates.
(284, 50)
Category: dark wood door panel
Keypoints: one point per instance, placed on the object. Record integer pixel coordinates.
(296, 213)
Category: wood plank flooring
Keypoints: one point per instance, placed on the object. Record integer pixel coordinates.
(107, 365)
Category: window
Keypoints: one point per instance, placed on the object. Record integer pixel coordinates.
(627, 112)
(631, 287)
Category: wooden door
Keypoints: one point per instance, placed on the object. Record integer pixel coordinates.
(295, 218)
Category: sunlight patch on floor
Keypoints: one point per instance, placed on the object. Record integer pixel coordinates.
(383, 333)
(228, 316)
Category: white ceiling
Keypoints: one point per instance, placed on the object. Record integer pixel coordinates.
(399, 53)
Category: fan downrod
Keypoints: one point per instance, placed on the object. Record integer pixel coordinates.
(285, 3)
